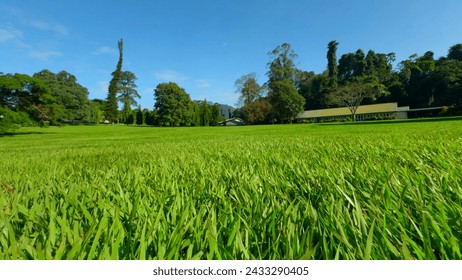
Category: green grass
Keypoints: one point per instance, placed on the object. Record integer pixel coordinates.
(386, 190)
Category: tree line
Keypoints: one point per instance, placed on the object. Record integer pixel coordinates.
(356, 78)
(48, 98)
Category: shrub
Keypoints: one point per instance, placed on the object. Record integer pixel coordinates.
(11, 120)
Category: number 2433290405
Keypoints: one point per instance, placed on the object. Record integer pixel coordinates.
(274, 270)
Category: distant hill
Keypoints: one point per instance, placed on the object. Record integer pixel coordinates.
(226, 110)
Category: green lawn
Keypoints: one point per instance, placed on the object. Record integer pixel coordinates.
(383, 190)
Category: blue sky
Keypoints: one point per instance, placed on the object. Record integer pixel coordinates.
(205, 45)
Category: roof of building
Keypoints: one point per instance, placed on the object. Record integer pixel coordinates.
(235, 121)
(344, 111)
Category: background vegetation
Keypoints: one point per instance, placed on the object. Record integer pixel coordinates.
(420, 81)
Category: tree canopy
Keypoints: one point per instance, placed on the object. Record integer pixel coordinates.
(127, 93)
(71, 98)
(112, 106)
(283, 96)
(352, 93)
(173, 105)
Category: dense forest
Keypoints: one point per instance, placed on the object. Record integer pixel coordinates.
(366, 78)
(48, 98)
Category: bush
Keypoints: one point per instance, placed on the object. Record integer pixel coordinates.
(11, 120)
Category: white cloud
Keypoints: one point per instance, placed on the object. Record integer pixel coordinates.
(49, 26)
(105, 50)
(203, 83)
(35, 21)
(170, 76)
(9, 34)
(44, 55)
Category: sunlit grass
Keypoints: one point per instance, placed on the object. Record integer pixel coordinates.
(357, 191)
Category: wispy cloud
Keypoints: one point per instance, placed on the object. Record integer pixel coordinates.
(44, 55)
(8, 34)
(203, 84)
(52, 26)
(170, 76)
(37, 22)
(104, 50)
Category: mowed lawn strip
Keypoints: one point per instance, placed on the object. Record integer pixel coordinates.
(384, 190)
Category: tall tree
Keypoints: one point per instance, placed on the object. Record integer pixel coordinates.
(139, 115)
(418, 78)
(282, 66)
(285, 100)
(351, 65)
(313, 88)
(112, 106)
(205, 113)
(173, 105)
(215, 115)
(248, 89)
(448, 82)
(127, 93)
(196, 114)
(283, 95)
(378, 65)
(255, 107)
(332, 66)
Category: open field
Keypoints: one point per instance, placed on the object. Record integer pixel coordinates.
(388, 190)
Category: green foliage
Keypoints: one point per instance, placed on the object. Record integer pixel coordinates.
(418, 79)
(285, 100)
(173, 104)
(343, 191)
(140, 117)
(11, 120)
(127, 93)
(71, 98)
(255, 107)
(332, 66)
(22, 93)
(112, 113)
(314, 87)
(455, 52)
(205, 113)
(99, 107)
(215, 115)
(248, 88)
(282, 66)
(352, 93)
